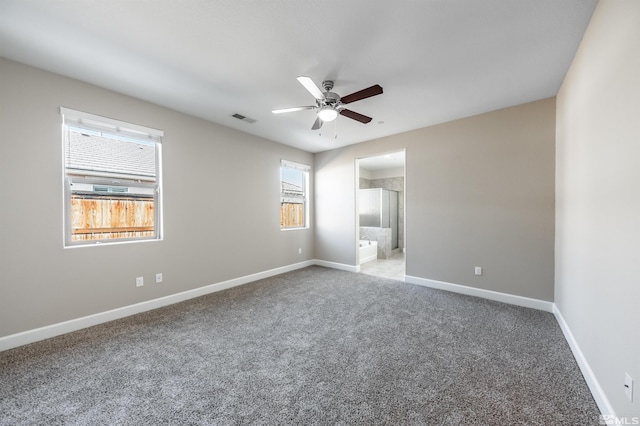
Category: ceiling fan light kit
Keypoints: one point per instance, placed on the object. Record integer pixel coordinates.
(327, 113)
(330, 104)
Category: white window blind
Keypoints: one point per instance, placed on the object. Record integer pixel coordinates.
(293, 165)
(97, 123)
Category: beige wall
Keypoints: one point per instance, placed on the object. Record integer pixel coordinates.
(598, 199)
(479, 192)
(221, 207)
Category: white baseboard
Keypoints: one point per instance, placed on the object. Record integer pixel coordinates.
(369, 258)
(31, 336)
(46, 332)
(53, 330)
(334, 265)
(512, 299)
(594, 386)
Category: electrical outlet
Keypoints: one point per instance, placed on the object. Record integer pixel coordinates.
(478, 270)
(628, 386)
(139, 281)
(159, 278)
(300, 250)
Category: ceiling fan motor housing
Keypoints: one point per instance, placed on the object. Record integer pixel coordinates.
(331, 98)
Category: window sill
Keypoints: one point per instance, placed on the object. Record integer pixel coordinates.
(294, 229)
(111, 243)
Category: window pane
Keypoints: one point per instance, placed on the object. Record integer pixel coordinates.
(293, 192)
(89, 151)
(112, 186)
(100, 210)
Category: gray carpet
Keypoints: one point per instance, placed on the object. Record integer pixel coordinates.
(313, 346)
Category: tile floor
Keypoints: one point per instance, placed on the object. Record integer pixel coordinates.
(389, 268)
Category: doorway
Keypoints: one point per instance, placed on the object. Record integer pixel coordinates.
(381, 215)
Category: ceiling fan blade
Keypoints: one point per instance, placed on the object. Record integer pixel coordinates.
(300, 108)
(362, 94)
(311, 87)
(317, 124)
(355, 116)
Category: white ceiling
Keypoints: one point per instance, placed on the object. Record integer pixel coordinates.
(437, 60)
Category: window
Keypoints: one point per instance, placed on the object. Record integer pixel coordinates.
(294, 187)
(112, 180)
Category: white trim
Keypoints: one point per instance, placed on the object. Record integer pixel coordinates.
(511, 299)
(594, 386)
(53, 330)
(369, 258)
(46, 332)
(118, 125)
(293, 165)
(335, 265)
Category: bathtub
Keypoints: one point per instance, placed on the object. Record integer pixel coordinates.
(368, 251)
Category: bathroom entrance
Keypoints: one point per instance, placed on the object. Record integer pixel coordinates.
(380, 195)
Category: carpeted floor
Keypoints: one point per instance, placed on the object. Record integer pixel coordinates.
(313, 346)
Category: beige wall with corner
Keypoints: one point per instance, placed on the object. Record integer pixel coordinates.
(221, 207)
(479, 192)
(597, 245)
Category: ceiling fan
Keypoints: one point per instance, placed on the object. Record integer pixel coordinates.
(330, 104)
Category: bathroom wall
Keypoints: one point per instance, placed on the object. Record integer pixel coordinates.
(382, 236)
(393, 184)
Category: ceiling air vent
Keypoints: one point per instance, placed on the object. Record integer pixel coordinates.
(243, 118)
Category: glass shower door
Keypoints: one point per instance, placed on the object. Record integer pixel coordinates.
(393, 218)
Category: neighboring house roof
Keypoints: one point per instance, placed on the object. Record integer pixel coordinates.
(102, 154)
(291, 188)
(291, 193)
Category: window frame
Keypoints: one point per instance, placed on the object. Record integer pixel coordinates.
(305, 170)
(147, 187)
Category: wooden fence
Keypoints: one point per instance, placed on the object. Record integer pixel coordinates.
(291, 215)
(98, 218)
